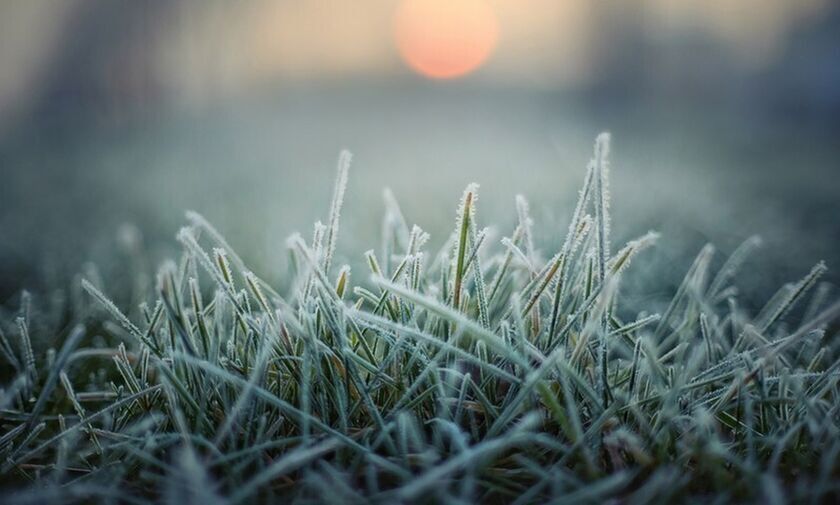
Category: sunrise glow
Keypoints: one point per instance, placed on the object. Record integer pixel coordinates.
(444, 39)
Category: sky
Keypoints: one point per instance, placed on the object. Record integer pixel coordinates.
(195, 52)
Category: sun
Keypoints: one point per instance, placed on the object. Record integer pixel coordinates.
(443, 39)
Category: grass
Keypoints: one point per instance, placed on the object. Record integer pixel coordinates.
(481, 373)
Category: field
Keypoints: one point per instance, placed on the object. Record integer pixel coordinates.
(494, 369)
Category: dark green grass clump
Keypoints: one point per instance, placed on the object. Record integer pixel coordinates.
(482, 373)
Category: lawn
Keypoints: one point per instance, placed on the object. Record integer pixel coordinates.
(487, 371)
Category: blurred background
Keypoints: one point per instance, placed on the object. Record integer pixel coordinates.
(117, 116)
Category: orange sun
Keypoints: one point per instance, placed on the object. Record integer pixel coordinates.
(443, 39)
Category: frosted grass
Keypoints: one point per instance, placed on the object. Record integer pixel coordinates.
(486, 371)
